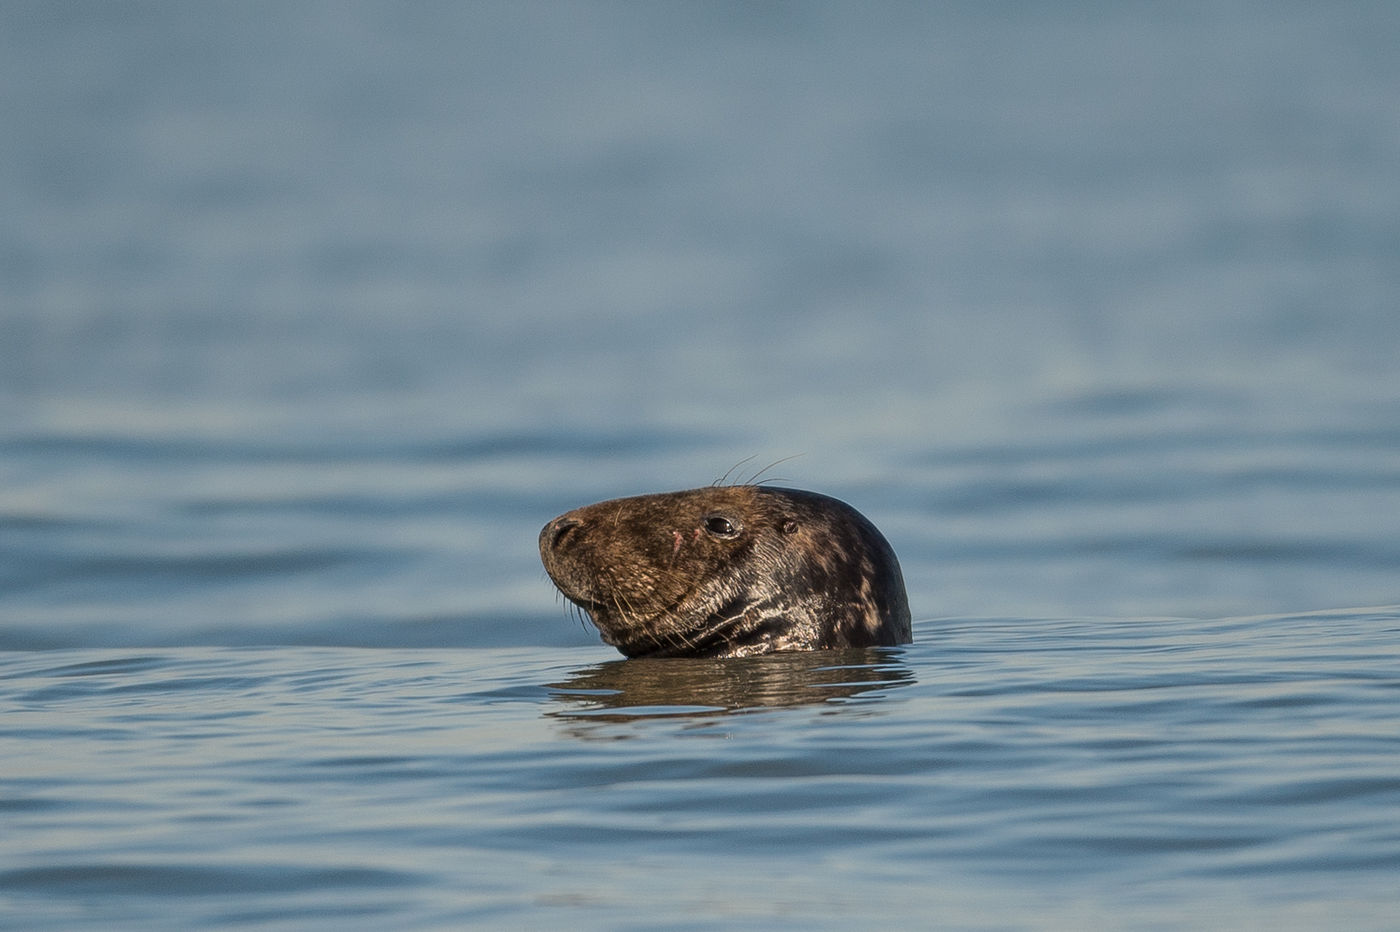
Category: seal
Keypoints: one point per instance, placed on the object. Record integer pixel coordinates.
(728, 571)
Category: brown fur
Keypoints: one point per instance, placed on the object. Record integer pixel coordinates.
(727, 572)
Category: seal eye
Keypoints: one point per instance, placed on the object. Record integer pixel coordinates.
(721, 527)
(789, 526)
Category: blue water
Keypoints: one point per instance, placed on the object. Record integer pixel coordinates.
(311, 316)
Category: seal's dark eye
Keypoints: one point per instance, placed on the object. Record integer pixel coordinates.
(722, 527)
(789, 526)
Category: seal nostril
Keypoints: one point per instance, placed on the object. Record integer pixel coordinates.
(559, 528)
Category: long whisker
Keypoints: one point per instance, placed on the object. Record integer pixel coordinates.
(754, 480)
(730, 471)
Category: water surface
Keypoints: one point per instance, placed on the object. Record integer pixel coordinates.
(311, 316)
(998, 773)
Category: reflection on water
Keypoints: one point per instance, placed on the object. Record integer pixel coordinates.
(625, 690)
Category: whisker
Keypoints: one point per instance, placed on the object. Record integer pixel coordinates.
(754, 480)
(730, 471)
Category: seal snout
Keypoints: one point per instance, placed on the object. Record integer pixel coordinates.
(559, 543)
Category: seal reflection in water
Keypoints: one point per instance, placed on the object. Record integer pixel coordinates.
(728, 571)
(633, 690)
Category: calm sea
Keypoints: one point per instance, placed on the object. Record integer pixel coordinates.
(312, 314)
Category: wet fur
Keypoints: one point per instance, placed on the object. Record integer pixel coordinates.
(661, 576)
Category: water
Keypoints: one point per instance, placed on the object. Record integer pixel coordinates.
(311, 316)
(999, 773)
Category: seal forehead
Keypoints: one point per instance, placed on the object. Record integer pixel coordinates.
(671, 506)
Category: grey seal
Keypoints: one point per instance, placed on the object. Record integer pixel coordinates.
(728, 571)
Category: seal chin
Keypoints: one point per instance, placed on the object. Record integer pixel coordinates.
(728, 571)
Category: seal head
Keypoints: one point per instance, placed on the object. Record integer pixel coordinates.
(728, 571)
